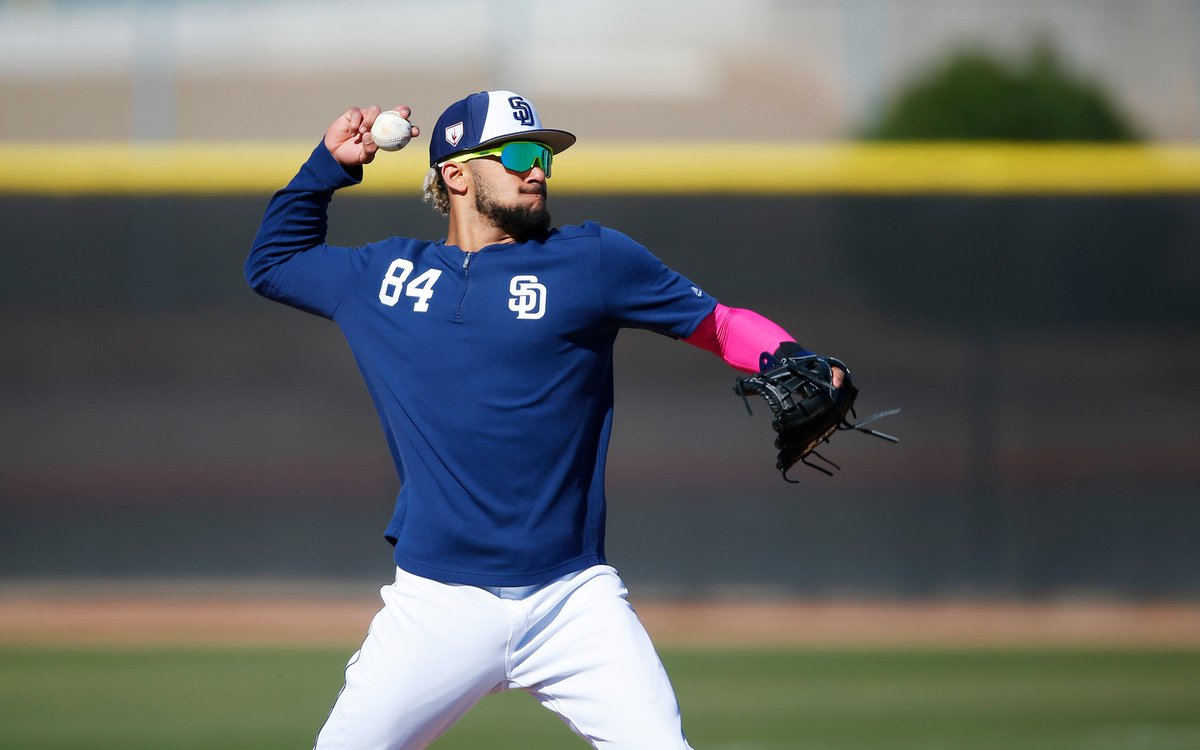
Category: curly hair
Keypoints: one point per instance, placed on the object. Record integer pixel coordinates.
(435, 193)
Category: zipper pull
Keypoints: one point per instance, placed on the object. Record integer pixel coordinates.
(467, 261)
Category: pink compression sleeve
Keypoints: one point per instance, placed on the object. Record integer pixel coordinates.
(738, 336)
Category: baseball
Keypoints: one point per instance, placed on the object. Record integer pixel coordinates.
(391, 132)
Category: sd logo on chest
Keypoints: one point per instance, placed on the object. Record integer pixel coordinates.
(528, 298)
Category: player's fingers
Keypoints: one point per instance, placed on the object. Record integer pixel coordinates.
(369, 118)
(353, 119)
(838, 377)
(342, 123)
(406, 112)
(369, 146)
(342, 129)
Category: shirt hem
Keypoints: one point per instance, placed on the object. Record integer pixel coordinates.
(469, 578)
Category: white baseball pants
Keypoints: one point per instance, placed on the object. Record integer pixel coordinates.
(435, 649)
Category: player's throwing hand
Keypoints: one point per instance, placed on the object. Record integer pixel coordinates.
(349, 137)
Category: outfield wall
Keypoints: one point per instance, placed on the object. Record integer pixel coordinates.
(162, 421)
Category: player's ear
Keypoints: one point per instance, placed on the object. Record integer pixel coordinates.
(455, 177)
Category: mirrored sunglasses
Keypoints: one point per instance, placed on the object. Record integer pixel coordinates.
(519, 156)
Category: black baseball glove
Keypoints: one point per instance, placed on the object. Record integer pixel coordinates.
(807, 409)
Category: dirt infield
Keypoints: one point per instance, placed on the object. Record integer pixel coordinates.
(218, 616)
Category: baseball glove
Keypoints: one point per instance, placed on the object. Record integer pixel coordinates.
(806, 408)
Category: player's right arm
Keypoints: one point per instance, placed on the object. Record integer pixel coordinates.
(290, 261)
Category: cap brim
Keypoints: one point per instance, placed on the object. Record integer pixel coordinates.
(557, 140)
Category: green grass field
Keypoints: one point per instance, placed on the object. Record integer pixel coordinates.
(732, 700)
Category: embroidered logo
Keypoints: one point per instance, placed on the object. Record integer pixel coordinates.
(454, 133)
(697, 291)
(528, 297)
(522, 112)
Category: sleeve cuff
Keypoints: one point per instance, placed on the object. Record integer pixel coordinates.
(329, 172)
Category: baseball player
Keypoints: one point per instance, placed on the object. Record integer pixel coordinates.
(498, 530)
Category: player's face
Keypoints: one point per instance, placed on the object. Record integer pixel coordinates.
(512, 201)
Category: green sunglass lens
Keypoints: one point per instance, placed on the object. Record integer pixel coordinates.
(522, 156)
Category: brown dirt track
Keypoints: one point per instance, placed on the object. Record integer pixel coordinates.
(155, 616)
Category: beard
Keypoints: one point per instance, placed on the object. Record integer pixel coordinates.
(519, 222)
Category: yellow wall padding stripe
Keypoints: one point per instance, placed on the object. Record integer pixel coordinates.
(680, 168)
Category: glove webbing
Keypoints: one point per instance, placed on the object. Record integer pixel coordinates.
(847, 425)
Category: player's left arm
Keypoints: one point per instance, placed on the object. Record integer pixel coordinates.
(639, 290)
(740, 336)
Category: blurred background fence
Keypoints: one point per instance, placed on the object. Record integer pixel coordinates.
(162, 421)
